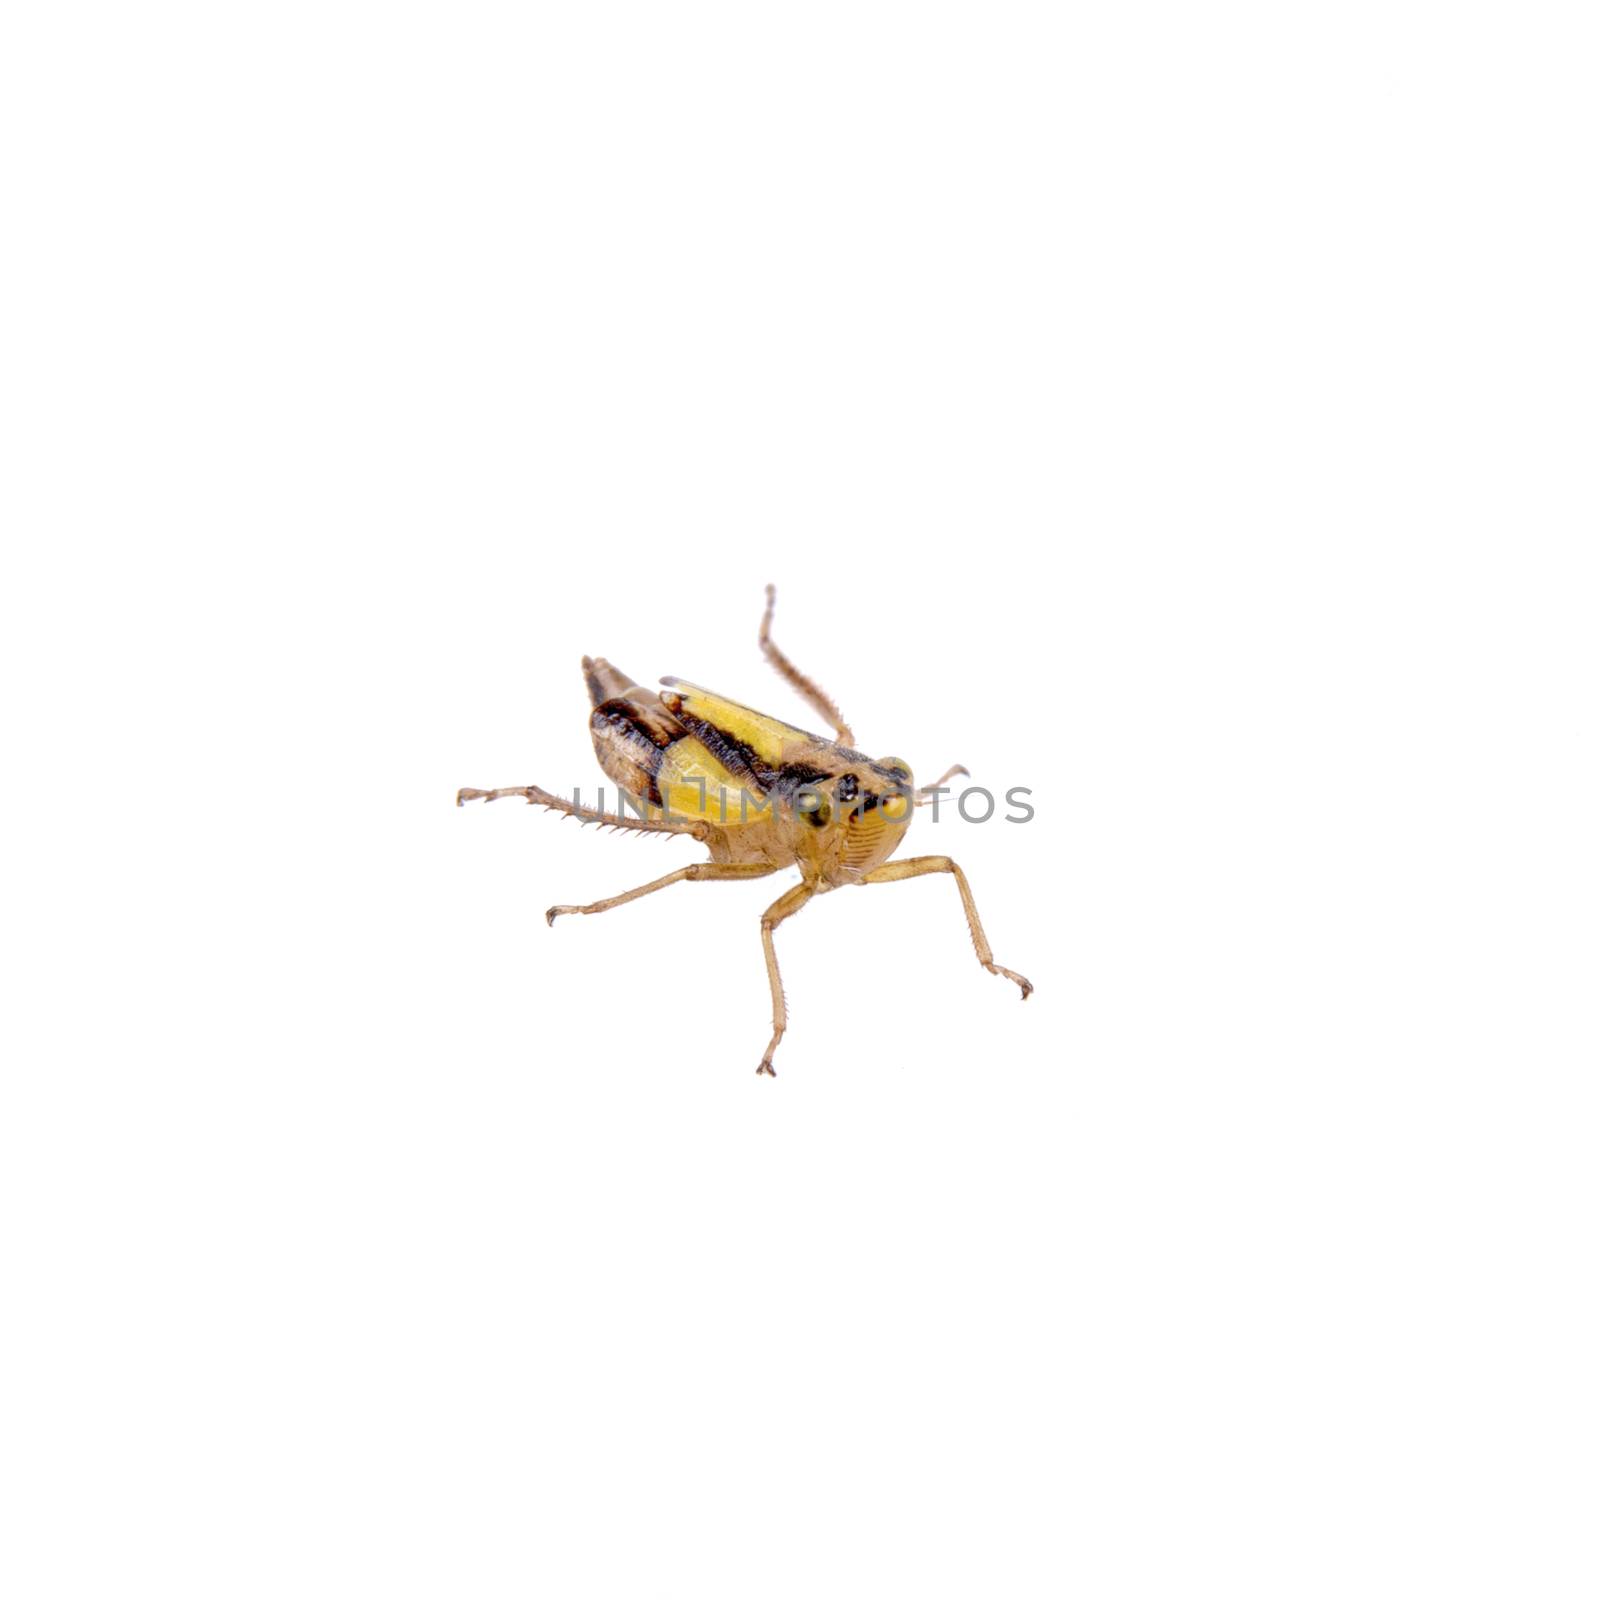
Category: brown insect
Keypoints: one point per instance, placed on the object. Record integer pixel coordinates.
(761, 794)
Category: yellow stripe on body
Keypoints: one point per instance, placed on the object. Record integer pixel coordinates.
(769, 738)
(693, 783)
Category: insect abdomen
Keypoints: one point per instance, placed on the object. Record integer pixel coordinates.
(630, 727)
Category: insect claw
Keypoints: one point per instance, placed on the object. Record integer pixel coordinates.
(766, 1067)
(1016, 977)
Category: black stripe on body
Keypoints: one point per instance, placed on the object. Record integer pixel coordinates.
(893, 776)
(736, 755)
(658, 730)
(641, 739)
(796, 773)
(793, 778)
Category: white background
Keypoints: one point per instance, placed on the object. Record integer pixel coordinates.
(1188, 413)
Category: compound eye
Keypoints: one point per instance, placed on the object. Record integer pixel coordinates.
(895, 764)
(813, 806)
(848, 788)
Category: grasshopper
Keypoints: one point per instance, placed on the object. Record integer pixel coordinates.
(761, 794)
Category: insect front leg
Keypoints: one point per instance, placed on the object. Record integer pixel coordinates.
(698, 872)
(782, 908)
(925, 793)
(916, 867)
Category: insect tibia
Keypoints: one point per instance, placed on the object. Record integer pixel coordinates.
(536, 796)
(635, 803)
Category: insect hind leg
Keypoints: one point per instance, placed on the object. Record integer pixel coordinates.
(808, 690)
(536, 796)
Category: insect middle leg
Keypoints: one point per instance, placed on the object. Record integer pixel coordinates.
(782, 908)
(916, 867)
(697, 872)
